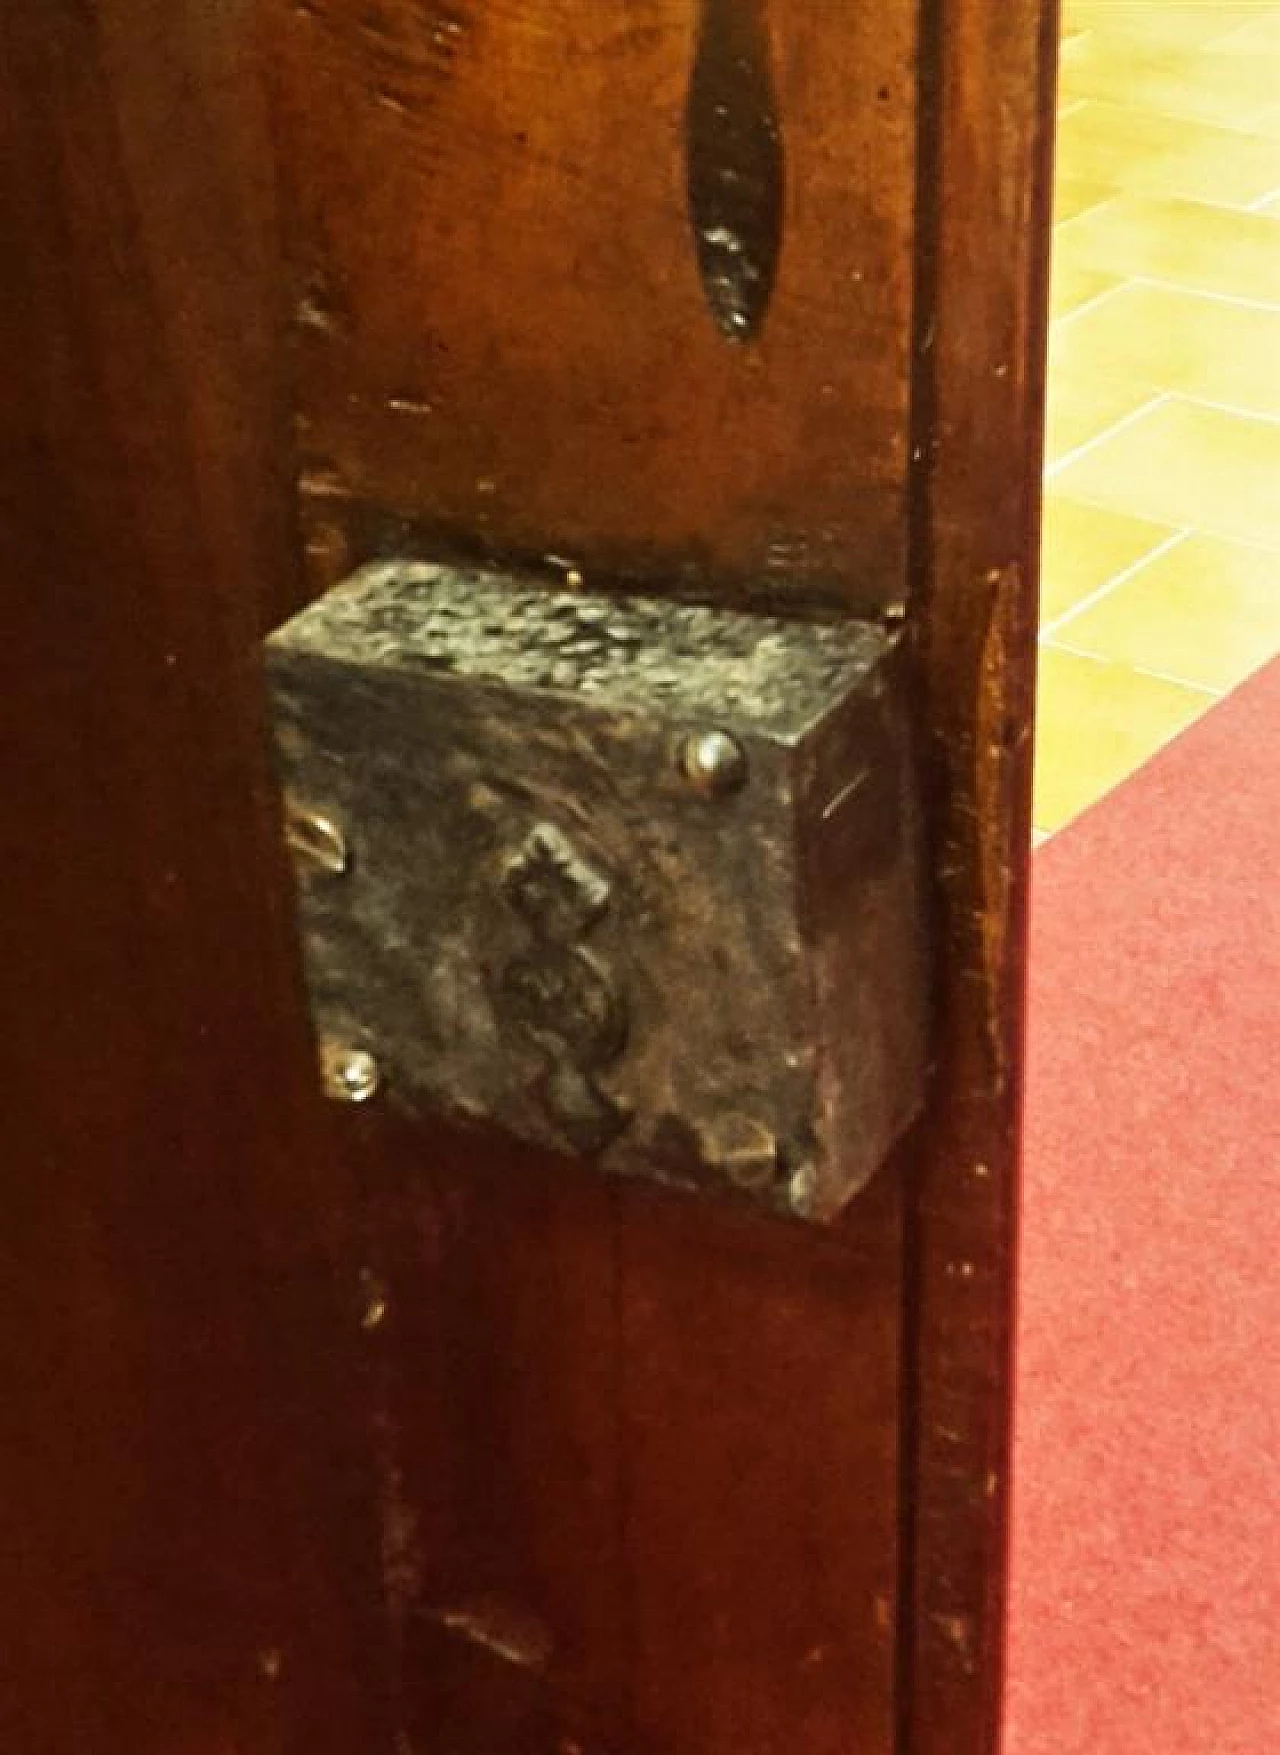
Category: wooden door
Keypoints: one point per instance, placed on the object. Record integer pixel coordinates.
(328, 1431)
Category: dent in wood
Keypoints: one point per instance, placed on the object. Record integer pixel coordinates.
(735, 166)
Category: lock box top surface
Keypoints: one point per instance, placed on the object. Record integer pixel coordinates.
(756, 675)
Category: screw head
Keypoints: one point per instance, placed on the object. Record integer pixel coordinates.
(713, 763)
(350, 1075)
(743, 1150)
(315, 840)
(803, 1189)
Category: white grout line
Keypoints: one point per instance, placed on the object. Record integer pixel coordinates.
(1163, 676)
(1271, 420)
(1256, 205)
(1201, 292)
(1165, 198)
(1108, 195)
(1170, 541)
(1065, 225)
(1201, 531)
(1270, 549)
(1098, 298)
(1126, 420)
(1183, 119)
(1272, 306)
(1184, 290)
(1182, 682)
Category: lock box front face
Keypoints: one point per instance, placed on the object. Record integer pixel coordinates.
(635, 880)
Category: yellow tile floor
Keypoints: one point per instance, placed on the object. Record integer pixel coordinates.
(1161, 557)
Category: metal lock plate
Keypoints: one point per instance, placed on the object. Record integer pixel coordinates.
(631, 879)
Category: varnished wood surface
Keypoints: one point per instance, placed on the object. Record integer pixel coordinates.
(319, 1427)
(983, 245)
(605, 1403)
(182, 1518)
(953, 209)
(500, 324)
(666, 1437)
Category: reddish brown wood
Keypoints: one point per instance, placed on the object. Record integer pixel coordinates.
(186, 1556)
(665, 1435)
(498, 315)
(316, 1425)
(604, 1408)
(987, 122)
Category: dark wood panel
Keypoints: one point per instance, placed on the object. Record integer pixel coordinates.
(185, 1553)
(761, 1400)
(626, 1472)
(660, 1439)
(643, 1456)
(479, 329)
(986, 132)
(500, 323)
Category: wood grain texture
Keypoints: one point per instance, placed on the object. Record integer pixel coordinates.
(661, 1439)
(982, 252)
(659, 1433)
(501, 328)
(955, 219)
(180, 1458)
(318, 1430)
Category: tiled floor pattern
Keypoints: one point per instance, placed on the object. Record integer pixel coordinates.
(1161, 565)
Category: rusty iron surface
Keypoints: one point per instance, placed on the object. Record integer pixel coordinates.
(632, 879)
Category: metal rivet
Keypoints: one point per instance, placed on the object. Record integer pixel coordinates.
(743, 1150)
(315, 840)
(802, 1189)
(350, 1075)
(713, 762)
